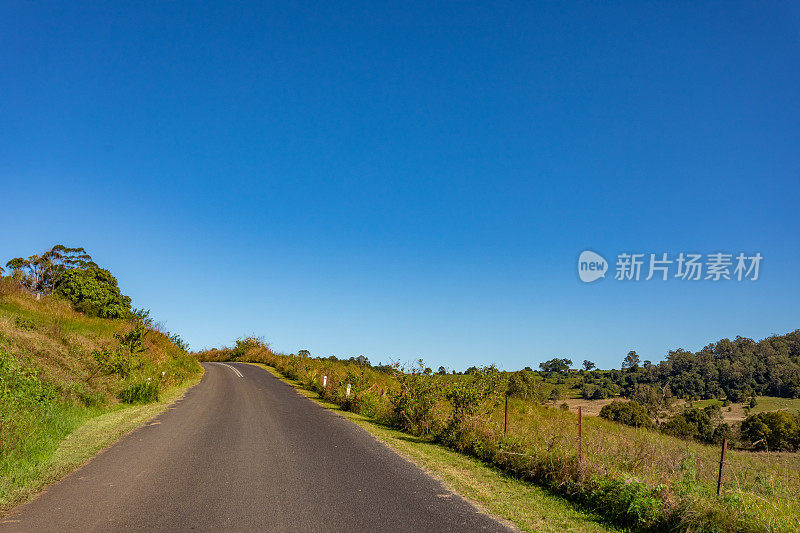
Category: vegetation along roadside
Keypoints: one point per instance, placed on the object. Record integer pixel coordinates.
(78, 368)
(526, 506)
(635, 477)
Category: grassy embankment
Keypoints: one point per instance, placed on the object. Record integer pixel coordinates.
(634, 478)
(58, 406)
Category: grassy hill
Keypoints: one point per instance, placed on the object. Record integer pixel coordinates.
(62, 371)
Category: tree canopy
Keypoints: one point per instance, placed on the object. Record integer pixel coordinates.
(556, 365)
(72, 274)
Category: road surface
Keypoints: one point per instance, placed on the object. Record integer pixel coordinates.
(243, 451)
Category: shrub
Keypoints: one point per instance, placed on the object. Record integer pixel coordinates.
(696, 423)
(678, 426)
(111, 361)
(143, 391)
(22, 322)
(133, 341)
(774, 430)
(630, 413)
(523, 384)
(413, 404)
(591, 391)
(629, 504)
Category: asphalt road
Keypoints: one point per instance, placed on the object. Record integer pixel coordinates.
(247, 454)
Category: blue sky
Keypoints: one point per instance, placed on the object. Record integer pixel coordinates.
(415, 179)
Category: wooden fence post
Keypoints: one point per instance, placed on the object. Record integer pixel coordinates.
(580, 436)
(505, 419)
(722, 464)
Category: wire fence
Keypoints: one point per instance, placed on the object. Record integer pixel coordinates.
(656, 457)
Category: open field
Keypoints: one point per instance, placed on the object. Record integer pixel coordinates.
(735, 412)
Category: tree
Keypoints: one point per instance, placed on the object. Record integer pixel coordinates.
(442, 371)
(773, 430)
(303, 353)
(360, 360)
(629, 413)
(588, 365)
(94, 291)
(18, 266)
(556, 365)
(56, 261)
(42, 273)
(631, 361)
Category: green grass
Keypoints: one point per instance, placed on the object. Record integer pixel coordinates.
(71, 436)
(771, 403)
(527, 506)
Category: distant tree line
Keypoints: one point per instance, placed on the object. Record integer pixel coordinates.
(733, 370)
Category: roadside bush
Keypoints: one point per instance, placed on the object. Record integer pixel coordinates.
(630, 504)
(414, 403)
(469, 399)
(133, 341)
(630, 413)
(111, 361)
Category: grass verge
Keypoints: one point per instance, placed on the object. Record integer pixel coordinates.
(57, 456)
(526, 506)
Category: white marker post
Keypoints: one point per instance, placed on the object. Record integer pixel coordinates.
(348, 391)
(325, 381)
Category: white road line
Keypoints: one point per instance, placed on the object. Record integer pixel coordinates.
(234, 370)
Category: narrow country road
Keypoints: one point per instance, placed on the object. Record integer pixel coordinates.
(242, 451)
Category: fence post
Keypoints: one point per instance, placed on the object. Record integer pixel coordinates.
(324, 382)
(505, 419)
(721, 464)
(580, 436)
(347, 395)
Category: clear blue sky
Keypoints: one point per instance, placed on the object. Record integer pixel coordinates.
(415, 179)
